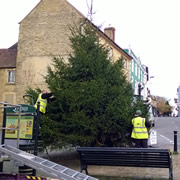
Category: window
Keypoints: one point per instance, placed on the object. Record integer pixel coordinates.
(125, 63)
(110, 53)
(135, 69)
(132, 65)
(139, 73)
(132, 80)
(11, 76)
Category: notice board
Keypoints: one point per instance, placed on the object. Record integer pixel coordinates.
(26, 127)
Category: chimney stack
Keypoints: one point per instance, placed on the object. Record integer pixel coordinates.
(110, 32)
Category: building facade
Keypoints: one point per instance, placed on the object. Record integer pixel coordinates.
(44, 34)
(7, 74)
(139, 76)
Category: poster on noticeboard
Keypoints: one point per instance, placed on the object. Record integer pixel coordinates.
(26, 127)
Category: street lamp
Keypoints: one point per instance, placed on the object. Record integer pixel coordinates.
(149, 82)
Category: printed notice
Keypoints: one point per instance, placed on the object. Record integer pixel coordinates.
(26, 127)
(153, 137)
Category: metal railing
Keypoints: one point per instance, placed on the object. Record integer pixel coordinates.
(4, 105)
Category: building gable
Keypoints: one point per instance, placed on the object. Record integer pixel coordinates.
(44, 34)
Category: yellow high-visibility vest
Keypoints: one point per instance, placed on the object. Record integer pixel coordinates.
(43, 104)
(139, 129)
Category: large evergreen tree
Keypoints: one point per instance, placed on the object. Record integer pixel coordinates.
(93, 104)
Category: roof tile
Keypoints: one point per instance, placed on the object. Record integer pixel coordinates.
(8, 57)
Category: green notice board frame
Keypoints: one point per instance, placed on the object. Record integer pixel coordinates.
(27, 118)
(25, 108)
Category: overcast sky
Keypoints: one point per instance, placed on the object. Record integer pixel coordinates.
(150, 27)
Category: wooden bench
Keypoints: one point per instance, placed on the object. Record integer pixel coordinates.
(131, 157)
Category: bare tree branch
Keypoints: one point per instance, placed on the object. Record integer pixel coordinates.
(90, 10)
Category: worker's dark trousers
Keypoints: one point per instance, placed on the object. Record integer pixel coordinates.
(141, 143)
(40, 118)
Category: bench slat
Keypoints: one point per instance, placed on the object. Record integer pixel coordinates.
(118, 149)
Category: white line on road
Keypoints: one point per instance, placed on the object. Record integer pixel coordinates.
(164, 137)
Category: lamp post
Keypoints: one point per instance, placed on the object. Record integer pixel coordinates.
(147, 86)
(139, 90)
(175, 141)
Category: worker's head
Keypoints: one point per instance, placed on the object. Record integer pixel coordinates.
(43, 91)
(138, 113)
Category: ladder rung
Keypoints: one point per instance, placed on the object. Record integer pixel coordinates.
(42, 161)
(64, 170)
(86, 178)
(75, 174)
(53, 165)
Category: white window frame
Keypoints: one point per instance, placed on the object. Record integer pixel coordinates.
(111, 53)
(132, 65)
(139, 73)
(11, 76)
(135, 69)
(125, 63)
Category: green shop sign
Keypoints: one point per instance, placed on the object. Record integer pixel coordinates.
(24, 109)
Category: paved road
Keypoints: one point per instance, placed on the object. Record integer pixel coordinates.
(165, 127)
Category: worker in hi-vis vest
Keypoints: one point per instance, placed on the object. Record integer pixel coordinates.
(43, 98)
(140, 132)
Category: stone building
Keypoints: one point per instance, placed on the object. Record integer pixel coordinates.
(7, 74)
(44, 34)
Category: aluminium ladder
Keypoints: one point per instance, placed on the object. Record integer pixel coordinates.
(48, 167)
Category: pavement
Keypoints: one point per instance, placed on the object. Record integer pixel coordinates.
(134, 173)
(144, 173)
(140, 173)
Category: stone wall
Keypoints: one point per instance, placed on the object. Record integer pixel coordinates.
(7, 90)
(44, 33)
